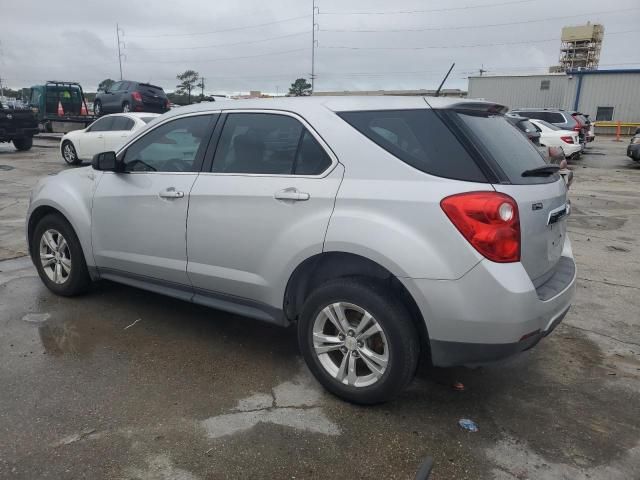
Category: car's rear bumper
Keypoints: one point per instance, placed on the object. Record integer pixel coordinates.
(492, 312)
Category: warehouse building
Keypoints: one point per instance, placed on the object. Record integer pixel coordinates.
(606, 95)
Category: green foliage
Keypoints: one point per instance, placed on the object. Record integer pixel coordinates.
(300, 88)
(188, 81)
(106, 84)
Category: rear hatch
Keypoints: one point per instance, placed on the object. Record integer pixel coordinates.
(541, 196)
(152, 94)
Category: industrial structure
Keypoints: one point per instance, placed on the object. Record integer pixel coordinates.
(606, 95)
(580, 47)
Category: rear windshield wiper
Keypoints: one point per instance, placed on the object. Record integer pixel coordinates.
(543, 171)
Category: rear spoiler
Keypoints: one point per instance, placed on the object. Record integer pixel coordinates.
(480, 107)
(149, 85)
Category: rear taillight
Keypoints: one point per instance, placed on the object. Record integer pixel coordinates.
(489, 221)
(166, 104)
(567, 139)
(577, 128)
(136, 96)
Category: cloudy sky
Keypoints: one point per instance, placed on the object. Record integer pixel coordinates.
(252, 44)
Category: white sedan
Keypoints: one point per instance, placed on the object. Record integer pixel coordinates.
(553, 136)
(108, 133)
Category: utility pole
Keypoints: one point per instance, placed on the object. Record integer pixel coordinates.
(313, 43)
(482, 70)
(120, 43)
(202, 87)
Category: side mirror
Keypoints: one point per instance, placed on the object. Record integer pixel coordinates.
(106, 162)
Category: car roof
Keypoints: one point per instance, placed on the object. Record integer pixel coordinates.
(134, 114)
(337, 104)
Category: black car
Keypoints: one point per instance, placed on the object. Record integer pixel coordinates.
(128, 96)
(18, 124)
(525, 126)
(633, 150)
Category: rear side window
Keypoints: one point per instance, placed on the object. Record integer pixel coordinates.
(122, 123)
(418, 138)
(101, 125)
(505, 145)
(268, 144)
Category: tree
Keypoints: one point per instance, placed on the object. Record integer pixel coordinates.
(300, 88)
(188, 80)
(106, 84)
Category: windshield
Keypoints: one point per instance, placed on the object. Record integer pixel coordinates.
(505, 145)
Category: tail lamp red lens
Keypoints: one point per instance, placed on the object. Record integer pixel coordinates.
(567, 139)
(489, 221)
(136, 96)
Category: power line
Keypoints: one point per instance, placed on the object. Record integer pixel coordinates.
(433, 10)
(523, 42)
(467, 27)
(257, 25)
(222, 58)
(245, 42)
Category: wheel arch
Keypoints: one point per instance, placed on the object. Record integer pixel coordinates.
(320, 268)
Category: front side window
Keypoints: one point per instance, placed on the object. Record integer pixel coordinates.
(268, 144)
(101, 125)
(175, 146)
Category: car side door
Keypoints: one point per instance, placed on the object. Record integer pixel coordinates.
(92, 139)
(119, 132)
(110, 103)
(260, 209)
(138, 219)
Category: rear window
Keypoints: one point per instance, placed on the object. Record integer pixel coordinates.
(505, 145)
(550, 126)
(151, 89)
(418, 138)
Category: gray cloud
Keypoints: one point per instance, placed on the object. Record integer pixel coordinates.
(75, 40)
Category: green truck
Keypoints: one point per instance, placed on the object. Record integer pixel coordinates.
(59, 106)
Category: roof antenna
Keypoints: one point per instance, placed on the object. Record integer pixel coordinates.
(437, 94)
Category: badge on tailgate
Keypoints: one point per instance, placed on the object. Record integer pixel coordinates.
(556, 214)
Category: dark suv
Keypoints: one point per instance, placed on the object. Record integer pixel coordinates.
(127, 96)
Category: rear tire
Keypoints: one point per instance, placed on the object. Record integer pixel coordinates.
(58, 257)
(395, 340)
(69, 153)
(23, 144)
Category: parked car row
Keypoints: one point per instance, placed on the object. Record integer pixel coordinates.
(566, 120)
(633, 149)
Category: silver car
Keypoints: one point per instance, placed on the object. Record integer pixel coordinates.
(386, 228)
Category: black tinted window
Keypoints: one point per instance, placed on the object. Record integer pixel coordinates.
(506, 145)
(122, 123)
(311, 159)
(172, 147)
(419, 138)
(101, 125)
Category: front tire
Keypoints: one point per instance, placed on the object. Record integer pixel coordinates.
(126, 107)
(23, 144)
(97, 109)
(58, 257)
(69, 153)
(358, 340)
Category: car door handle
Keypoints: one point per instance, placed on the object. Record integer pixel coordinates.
(291, 194)
(171, 193)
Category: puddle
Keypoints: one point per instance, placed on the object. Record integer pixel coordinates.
(291, 404)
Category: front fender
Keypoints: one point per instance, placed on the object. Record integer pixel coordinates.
(70, 193)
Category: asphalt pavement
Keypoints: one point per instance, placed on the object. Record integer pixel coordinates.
(125, 384)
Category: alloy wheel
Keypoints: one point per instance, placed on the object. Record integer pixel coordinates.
(69, 153)
(55, 256)
(350, 344)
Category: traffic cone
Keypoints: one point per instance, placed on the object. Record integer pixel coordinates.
(60, 109)
(83, 109)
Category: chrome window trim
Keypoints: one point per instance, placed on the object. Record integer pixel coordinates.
(324, 145)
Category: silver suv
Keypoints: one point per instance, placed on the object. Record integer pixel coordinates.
(385, 228)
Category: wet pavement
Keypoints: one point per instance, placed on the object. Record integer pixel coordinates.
(125, 384)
